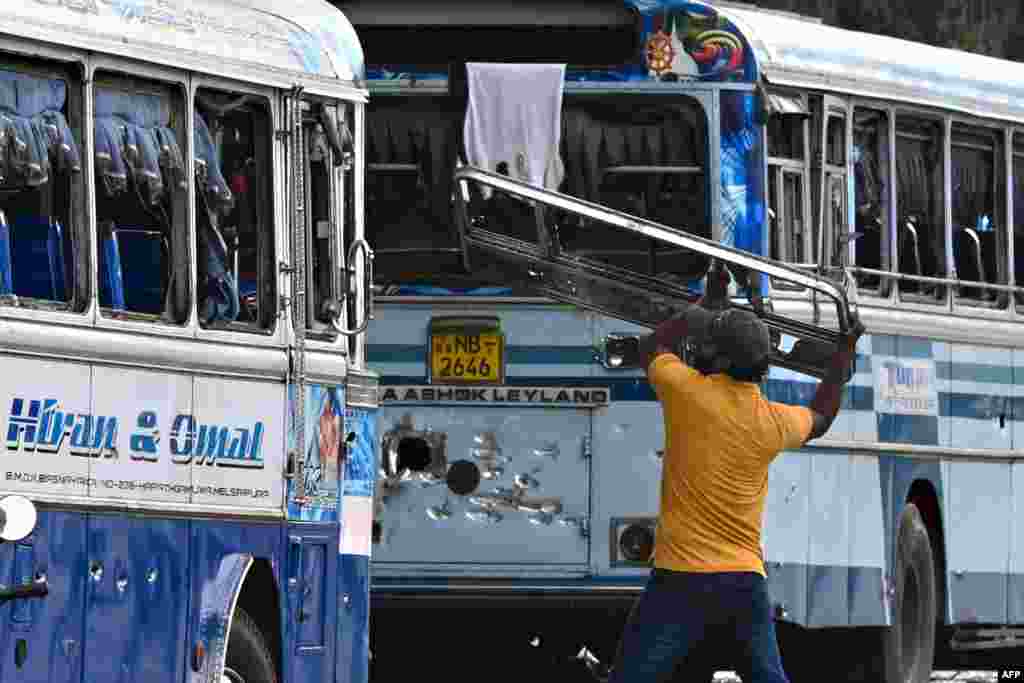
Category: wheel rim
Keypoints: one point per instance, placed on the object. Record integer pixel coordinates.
(229, 675)
(910, 631)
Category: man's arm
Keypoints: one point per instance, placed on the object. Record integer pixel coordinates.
(666, 335)
(825, 404)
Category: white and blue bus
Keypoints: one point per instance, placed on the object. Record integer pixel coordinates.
(188, 468)
(897, 163)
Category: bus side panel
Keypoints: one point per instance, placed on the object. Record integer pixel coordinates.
(311, 576)
(50, 629)
(212, 542)
(136, 607)
(353, 607)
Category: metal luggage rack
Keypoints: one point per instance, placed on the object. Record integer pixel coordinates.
(628, 295)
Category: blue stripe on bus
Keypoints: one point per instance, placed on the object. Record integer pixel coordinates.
(857, 398)
(519, 355)
(975, 372)
(975, 406)
(638, 388)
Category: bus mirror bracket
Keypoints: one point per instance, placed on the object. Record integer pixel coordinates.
(350, 273)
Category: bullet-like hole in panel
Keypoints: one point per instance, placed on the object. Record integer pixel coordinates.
(413, 454)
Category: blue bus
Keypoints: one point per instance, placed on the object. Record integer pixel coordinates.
(187, 478)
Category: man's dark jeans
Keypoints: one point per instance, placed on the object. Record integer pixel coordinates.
(679, 612)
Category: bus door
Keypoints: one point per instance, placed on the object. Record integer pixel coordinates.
(515, 232)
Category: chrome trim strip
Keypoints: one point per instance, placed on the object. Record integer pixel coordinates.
(132, 349)
(361, 390)
(168, 507)
(917, 450)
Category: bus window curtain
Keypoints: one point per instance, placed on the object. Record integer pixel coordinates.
(34, 135)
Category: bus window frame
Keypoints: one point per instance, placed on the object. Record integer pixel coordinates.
(886, 291)
(326, 338)
(824, 234)
(965, 306)
(69, 60)
(172, 78)
(786, 165)
(353, 215)
(277, 215)
(942, 117)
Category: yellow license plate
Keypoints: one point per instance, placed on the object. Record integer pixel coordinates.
(466, 357)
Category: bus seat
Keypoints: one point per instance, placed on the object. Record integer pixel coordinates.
(110, 277)
(6, 279)
(144, 258)
(910, 250)
(968, 254)
(37, 253)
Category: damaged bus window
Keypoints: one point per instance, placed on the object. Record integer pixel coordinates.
(871, 196)
(412, 145)
(919, 205)
(978, 229)
(642, 156)
(140, 199)
(788, 236)
(837, 235)
(43, 238)
(327, 149)
(234, 227)
(1018, 213)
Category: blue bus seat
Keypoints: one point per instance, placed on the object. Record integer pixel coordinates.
(144, 258)
(110, 277)
(6, 278)
(37, 254)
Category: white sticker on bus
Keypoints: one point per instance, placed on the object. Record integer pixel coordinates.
(906, 387)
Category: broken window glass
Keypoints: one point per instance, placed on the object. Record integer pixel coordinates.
(919, 205)
(789, 238)
(234, 217)
(871, 195)
(141, 214)
(978, 229)
(1018, 213)
(43, 239)
(646, 156)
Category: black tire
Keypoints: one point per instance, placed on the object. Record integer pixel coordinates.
(908, 646)
(249, 660)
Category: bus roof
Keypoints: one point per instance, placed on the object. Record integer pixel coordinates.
(225, 37)
(789, 51)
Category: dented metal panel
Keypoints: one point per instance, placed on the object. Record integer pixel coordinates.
(528, 506)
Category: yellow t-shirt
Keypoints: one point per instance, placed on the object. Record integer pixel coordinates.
(720, 437)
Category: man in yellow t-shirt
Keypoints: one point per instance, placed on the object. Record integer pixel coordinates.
(721, 434)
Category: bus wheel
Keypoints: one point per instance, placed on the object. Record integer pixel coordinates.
(908, 646)
(249, 659)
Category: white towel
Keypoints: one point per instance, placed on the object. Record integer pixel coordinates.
(514, 115)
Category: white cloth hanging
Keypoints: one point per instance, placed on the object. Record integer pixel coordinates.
(514, 116)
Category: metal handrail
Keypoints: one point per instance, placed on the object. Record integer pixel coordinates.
(636, 297)
(659, 232)
(927, 279)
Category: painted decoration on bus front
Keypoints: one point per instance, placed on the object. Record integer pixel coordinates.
(322, 473)
(141, 435)
(678, 41)
(692, 41)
